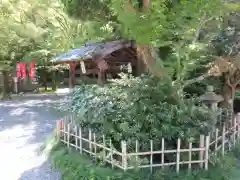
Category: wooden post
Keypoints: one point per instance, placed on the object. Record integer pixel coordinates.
(111, 153)
(64, 131)
(223, 139)
(178, 155)
(206, 152)
(90, 139)
(80, 139)
(238, 127)
(136, 150)
(72, 78)
(216, 140)
(163, 148)
(124, 155)
(58, 128)
(68, 135)
(190, 156)
(95, 146)
(104, 150)
(201, 153)
(234, 131)
(76, 137)
(15, 80)
(151, 155)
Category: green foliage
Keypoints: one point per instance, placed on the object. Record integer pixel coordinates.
(140, 108)
(87, 9)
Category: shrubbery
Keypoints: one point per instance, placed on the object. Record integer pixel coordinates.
(140, 108)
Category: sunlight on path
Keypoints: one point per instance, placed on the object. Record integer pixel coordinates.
(24, 125)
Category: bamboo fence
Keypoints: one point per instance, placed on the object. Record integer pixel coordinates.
(194, 155)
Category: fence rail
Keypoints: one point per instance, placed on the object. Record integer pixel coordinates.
(190, 155)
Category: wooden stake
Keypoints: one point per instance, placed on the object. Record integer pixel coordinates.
(163, 148)
(190, 156)
(90, 139)
(151, 155)
(124, 155)
(80, 139)
(136, 150)
(223, 139)
(234, 131)
(206, 152)
(216, 140)
(201, 153)
(95, 146)
(104, 150)
(68, 135)
(111, 153)
(64, 131)
(178, 154)
(238, 127)
(76, 137)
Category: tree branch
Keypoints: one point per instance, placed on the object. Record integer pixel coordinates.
(197, 79)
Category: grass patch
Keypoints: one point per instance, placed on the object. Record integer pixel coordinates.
(49, 89)
(74, 166)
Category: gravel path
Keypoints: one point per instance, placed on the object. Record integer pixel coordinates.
(24, 126)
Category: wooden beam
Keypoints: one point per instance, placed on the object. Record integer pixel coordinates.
(72, 78)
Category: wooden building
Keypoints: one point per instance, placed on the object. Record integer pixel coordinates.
(101, 60)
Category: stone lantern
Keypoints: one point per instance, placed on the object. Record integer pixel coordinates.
(211, 99)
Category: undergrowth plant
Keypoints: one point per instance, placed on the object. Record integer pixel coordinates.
(143, 108)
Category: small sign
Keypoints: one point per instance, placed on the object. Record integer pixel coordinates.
(83, 67)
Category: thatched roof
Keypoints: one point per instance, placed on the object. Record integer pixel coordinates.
(89, 50)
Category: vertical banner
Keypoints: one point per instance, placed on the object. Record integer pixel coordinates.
(18, 70)
(32, 70)
(24, 70)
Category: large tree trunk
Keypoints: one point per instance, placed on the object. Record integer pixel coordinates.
(5, 89)
(145, 53)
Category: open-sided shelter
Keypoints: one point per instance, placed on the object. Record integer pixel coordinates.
(101, 60)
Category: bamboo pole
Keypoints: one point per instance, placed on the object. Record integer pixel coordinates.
(216, 140)
(178, 155)
(238, 127)
(234, 131)
(201, 153)
(124, 155)
(90, 139)
(206, 152)
(80, 139)
(95, 146)
(76, 137)
(68, 135)
(223, 139)
(104, 150)
(137, 150)
(163, 148)
(111, 153)
(190, 156)
(151, 155)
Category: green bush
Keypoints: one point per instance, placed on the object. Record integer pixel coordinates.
(141, 109)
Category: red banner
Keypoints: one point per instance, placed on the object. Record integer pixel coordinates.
(18, 70)
(32, 70)
(24, 70)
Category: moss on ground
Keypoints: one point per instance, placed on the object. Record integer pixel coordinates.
(74, 166)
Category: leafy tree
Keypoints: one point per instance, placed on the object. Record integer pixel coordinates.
(151, 23)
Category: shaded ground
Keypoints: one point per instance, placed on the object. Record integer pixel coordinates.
(24, 126)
